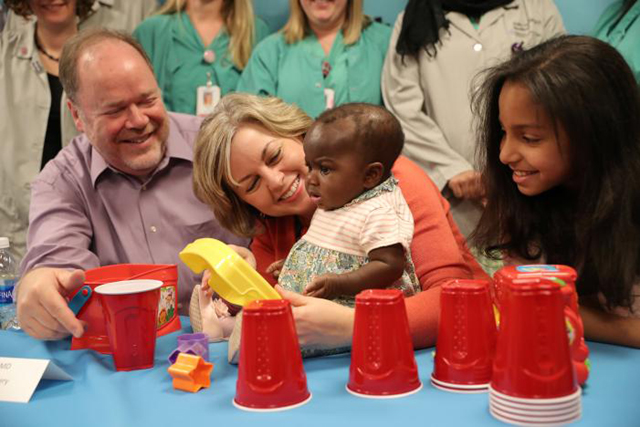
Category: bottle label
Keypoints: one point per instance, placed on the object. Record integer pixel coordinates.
(6, 291)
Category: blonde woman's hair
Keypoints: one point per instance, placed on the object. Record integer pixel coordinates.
(213, 184)
(239, 21)
(297, 27)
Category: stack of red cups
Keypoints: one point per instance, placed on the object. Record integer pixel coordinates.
(533, 379)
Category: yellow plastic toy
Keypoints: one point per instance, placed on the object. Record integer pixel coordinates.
(190, 373)
(231, 276)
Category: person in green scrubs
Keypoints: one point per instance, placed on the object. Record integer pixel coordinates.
(193, 44)
(328, 53)
(619, 25)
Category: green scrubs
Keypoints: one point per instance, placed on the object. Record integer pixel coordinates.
(293, 72)
(177, 54)
(624, 36)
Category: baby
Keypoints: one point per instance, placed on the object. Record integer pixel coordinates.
(359, 238)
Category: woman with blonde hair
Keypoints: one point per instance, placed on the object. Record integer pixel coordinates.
(199, 48)
(249, 167)
(327, 54)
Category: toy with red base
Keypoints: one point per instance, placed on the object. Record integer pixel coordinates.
(95, 336)
(566, 277)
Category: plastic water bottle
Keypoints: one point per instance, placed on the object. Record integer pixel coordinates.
(7, 285)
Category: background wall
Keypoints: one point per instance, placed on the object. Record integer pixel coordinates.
(579, 16)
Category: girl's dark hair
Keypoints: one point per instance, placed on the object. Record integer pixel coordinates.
(588, 89)
(423, 20)
(22, 8)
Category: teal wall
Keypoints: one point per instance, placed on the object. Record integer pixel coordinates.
(579, 16)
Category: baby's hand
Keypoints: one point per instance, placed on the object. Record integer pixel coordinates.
(325, 286)
(275, 268)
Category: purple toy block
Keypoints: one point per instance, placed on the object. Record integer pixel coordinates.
(196, 344)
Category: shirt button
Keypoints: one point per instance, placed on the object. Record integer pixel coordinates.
(477, 47)
(144, 187)
(318, 84)
(209, 56)
(153, 229)
(179, 305)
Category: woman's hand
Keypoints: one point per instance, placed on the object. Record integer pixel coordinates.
(245, 254)
(320, 323)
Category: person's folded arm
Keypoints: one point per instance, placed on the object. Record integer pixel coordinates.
(611, 328)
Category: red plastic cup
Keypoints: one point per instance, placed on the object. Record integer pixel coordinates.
(130, 311)
(533, 359)
(270, 372)
(466, 337)
(382, 360)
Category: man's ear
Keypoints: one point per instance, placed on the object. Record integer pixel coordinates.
(373, 175)
(75, 114)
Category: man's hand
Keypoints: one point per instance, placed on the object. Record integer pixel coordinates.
(42, 302)
(326, 286)
(467, 185)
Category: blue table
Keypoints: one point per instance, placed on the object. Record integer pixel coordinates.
(100, 396)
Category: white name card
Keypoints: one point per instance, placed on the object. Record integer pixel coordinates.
(20, 377)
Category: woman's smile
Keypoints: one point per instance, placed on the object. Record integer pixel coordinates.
(292, 191)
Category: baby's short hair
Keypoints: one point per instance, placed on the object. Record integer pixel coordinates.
(377, 132)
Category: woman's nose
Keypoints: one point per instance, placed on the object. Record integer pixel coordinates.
(274, 180)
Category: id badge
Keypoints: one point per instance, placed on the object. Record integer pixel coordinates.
(207, 96)
(329, 98)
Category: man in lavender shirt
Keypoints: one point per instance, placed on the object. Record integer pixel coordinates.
(119, 193)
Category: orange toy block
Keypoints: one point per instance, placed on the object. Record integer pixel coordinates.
(190, 372)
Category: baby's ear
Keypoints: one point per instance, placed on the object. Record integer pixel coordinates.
(373, 175)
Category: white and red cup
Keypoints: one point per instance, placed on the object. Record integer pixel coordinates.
(130, 311)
